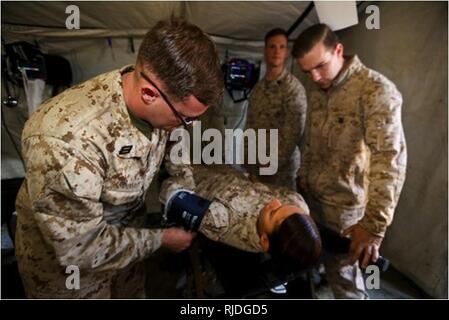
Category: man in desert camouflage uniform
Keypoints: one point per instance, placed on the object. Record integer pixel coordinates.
(236, 203)
(354, 163)
(278, 101)
(91, 154)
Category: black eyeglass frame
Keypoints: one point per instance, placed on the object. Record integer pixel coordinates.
(185, 120)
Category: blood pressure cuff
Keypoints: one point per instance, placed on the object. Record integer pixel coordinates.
(185, 208)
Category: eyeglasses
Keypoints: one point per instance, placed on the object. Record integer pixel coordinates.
(185, 120)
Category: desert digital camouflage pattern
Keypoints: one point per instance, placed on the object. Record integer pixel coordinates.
(355, 153)
(354, 162)
(81, 204)
(237, 202)
(345, 280)
(279, 104)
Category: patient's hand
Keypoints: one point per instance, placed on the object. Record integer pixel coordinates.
(177, 239)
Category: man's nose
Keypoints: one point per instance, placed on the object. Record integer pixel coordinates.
(315, 75)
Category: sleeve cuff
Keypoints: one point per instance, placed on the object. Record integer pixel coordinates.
(377, 228)
(152, 241)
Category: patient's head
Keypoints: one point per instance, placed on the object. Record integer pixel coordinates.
(290, 233)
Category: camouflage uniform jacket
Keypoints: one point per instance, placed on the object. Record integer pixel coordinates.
(236, 203)
(280, 104)
(355, 152)
(88, 169)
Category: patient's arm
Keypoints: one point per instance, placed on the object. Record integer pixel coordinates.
(223, 221)
(236, 204)
(231, 227)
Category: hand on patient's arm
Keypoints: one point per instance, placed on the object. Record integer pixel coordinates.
(364, 245)
(177, 239)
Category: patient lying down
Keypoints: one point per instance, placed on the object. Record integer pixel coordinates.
(227, 207)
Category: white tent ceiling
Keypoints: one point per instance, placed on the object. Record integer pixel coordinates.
(237, 20)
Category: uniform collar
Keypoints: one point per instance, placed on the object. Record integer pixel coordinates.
(126, 69)
(133, 142)
(145, 127)
(142, 125)
(277, 80)
(353, 64)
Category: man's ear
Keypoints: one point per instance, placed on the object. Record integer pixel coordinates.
(148, 95)
(264, 242)
(339, 49)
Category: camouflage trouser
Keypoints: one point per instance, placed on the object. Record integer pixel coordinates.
(128, 283)
(345, 280)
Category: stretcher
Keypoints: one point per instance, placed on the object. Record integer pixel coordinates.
(245, 275)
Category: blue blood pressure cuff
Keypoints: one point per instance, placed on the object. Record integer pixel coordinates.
(185, 208)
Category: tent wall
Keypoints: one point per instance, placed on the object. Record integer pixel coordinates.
(410, 48)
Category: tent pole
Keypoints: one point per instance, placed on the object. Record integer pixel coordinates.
(301, 18)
